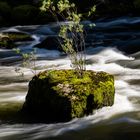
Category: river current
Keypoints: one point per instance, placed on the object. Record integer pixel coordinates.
(114, 47)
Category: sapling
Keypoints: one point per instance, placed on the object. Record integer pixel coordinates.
(72, 34)
(28, 60)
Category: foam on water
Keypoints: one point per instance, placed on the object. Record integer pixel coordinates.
(13, 87)
(123, 91)
(12, 29)
(117, 22)
(108, 55)
(44, 30)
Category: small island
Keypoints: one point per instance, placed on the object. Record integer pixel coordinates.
(59, 95)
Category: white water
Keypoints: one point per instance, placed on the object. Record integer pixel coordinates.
(125, 68)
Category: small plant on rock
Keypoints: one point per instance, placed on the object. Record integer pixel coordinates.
(72, 32)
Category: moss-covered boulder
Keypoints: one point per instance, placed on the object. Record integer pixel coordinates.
(9, 111)
(59, 95)
(18, 36)
(8, 39)
(6, 42)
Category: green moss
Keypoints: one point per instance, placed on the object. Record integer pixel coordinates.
(104, 94)
(42, 76)
(15, 37)
(79, 81)
(6, 43)
(18, 36)
(3, 43)
(61, 92)
(9, 111)
(8, 39)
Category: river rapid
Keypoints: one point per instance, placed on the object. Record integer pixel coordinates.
(114, 47)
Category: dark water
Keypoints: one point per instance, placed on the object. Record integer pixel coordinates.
(114, 47)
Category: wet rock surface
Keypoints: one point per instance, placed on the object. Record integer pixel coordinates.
(58, 95)
(8, 39)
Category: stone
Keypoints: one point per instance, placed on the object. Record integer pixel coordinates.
(6, 42)
(54, 43)
(8, 39)
(18, 36)
(50, 43)
(59, 95)
(9, 112)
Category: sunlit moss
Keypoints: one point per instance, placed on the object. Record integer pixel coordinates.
(60, 95)
(8, 39)
(13, 36)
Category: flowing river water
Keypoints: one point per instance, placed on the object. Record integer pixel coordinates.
(114, 47)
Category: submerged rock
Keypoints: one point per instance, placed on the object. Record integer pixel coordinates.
(54, 43)
(6, 42)
(59, 95)
(8, 39)
(50, 43)
(18, 36)
(9, 112)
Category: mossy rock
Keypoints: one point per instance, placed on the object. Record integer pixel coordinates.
(54, 43)
(8, 39)
(59, 95)
(18, 36)
(6, 42)
(50, 43)
(10, 111)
